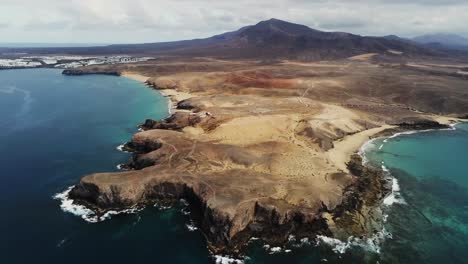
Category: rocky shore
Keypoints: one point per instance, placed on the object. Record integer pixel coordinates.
(272, 220)
(260, 162)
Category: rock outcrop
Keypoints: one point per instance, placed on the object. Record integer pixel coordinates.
(241, 184)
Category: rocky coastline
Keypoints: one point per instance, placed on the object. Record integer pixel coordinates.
(357, 216)
(264, 219)
(170, 162)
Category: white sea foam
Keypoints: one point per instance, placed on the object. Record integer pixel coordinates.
(395, 196)
(305, 241)
(369, 145)
(85, 213)
(371, 244)
(227, 260)
(337, 245)
(68, 206)
(161, 207)
(191, 226)
(110, 213)
(451, 127)
(121, 148)
(184, 202)
(274, 250)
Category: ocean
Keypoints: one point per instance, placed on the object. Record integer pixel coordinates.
(428, 211)
(55, 129)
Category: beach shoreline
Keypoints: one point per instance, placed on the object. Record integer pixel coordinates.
(174, 96)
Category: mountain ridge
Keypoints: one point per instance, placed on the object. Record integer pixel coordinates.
(447, 39)
(271, 38)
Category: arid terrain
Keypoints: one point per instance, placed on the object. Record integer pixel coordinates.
(266, 148)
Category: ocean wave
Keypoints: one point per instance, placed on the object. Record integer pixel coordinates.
(191, 226)
(366, 147)
(121, 148)
(394, 197)
(371, 244)
(219, 259)
(451, 128)
(67, 205)
(170, 107)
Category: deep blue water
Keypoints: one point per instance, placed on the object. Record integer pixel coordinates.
(55, 129)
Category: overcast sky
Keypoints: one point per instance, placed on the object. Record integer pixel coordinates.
(131, 21)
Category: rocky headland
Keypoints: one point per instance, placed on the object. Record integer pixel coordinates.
(262, 150)
(253, 166)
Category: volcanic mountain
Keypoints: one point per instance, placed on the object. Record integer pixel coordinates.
(268, 39)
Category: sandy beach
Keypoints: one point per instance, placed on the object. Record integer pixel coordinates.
(174, 96)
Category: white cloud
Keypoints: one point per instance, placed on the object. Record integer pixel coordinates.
(162, 20)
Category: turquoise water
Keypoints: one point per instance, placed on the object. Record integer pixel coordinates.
(430, 223)
(55, 128)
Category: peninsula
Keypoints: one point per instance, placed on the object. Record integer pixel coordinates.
(266, 125)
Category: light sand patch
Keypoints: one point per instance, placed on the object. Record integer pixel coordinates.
(344, 148)
(135, 76)
(446, 120)
(176, 96)
(396, 52)
(255, 129)
(363, 57)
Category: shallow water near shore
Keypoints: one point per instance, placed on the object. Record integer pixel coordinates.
(429, 218)
(55, 129)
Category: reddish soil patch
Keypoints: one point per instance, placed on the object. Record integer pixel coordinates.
(259, 79)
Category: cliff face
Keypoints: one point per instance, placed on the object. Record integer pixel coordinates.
(272, 220)
(234, 204)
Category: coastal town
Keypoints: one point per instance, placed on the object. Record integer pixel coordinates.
(67, 62)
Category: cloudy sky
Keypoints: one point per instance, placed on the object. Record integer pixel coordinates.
(131, 21)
